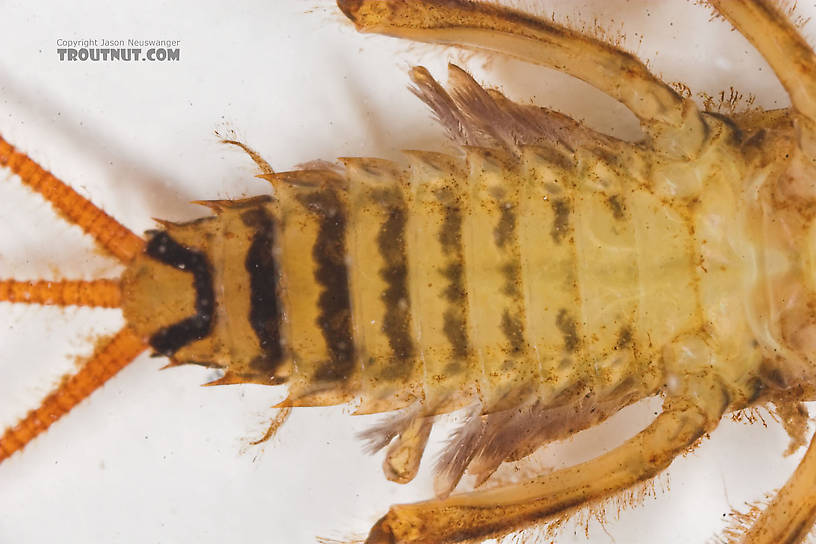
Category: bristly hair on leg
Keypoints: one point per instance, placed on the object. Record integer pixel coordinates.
(795, 419)
(740, 522)
(788, 8)
(609, 32)
(351, 540)
(754, 414)
(599, 511)
(729, 102)
(793, 416)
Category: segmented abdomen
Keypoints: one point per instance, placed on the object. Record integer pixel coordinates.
(494, 279)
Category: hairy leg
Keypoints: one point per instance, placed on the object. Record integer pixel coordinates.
(790, 56)
(790, 516)
(686, 416)
(673, 123)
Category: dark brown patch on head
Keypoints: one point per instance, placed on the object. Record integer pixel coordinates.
(265, 311)
(329, 254)
(397, 319)
(617, 207)
(513, 330)
(566, 324)
(560, 226)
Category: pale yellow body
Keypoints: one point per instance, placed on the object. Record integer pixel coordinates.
(537, 279)
(542, 279)
(682, 265)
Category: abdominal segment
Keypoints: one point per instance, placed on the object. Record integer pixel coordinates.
(518, 274)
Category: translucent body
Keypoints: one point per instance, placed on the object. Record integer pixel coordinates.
(569, 284)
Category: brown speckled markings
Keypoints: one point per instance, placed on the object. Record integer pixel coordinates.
(437, 288)
(391, 372)
(495, 285)
(313, 214)
(548, 277)
(598, 272)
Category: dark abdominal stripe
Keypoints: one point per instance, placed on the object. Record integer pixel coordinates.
(397, 319)
(170, 339)
(329, 254)
(265, 313)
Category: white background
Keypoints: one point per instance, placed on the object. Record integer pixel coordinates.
(153, 457)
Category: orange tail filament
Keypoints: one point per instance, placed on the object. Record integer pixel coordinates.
(109, 359)
(97, 293)
(109, 233)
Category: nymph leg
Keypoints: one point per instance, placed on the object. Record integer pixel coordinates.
(673, 123)
(790, 516)
(790, 56)
(770, 31)
(686, 416)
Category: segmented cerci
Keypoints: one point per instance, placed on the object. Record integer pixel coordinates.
(543, 279)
